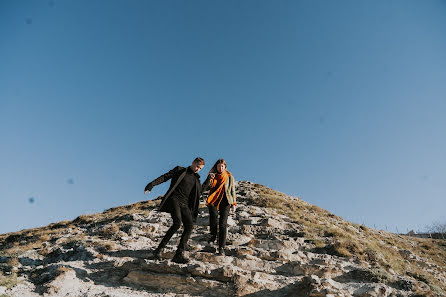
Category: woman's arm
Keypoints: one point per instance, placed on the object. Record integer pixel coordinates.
(233, 190)
(207, 183)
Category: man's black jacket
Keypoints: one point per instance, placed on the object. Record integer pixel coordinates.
(177, 174)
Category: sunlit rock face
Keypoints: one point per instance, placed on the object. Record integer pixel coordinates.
(278, 245)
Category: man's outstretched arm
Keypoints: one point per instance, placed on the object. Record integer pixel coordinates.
(163, 178)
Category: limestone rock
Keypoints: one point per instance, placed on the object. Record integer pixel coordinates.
(269, 253)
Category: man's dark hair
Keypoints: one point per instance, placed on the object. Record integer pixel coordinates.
(199, 161)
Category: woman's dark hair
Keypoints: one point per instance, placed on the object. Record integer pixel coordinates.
(219, 161)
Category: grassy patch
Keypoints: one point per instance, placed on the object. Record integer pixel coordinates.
(8, 281)
(103, 246)
(13, 262)
(110, 229)
(14, 244)
(346, 239)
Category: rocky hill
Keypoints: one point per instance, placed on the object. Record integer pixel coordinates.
(277, 246)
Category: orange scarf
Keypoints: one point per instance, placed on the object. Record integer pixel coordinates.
(217, 190)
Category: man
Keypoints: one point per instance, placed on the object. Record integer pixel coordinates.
(182, 201)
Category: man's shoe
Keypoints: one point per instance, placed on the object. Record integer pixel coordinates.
(212, 238)
(180, 259)
(221, 251)
(156, 254)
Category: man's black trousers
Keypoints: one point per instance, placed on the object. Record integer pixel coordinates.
(180, 213)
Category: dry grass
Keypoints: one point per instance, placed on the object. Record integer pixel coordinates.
(13, 262)
(350, 240)
(13, 244)
(319, 244)
(63, 269)
(44, 251)
(8, 281)
(84, 219)
(70, 239)
(103, 246)
(110, 229)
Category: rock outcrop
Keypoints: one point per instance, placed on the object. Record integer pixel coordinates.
(278, 245)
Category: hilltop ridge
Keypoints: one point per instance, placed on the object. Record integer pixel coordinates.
(278, 245)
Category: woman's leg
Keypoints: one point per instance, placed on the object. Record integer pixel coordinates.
(222, 224)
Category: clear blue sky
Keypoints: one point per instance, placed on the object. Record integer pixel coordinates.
(342, 103)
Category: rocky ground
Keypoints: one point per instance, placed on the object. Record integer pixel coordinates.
(269, 253)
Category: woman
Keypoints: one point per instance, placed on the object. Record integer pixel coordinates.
(221, 200)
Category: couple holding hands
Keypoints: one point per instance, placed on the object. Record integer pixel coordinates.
(182, 201)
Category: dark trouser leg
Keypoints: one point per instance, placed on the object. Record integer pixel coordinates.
(188, 225)
(222, 224)
(213, 219)
(176, 217)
